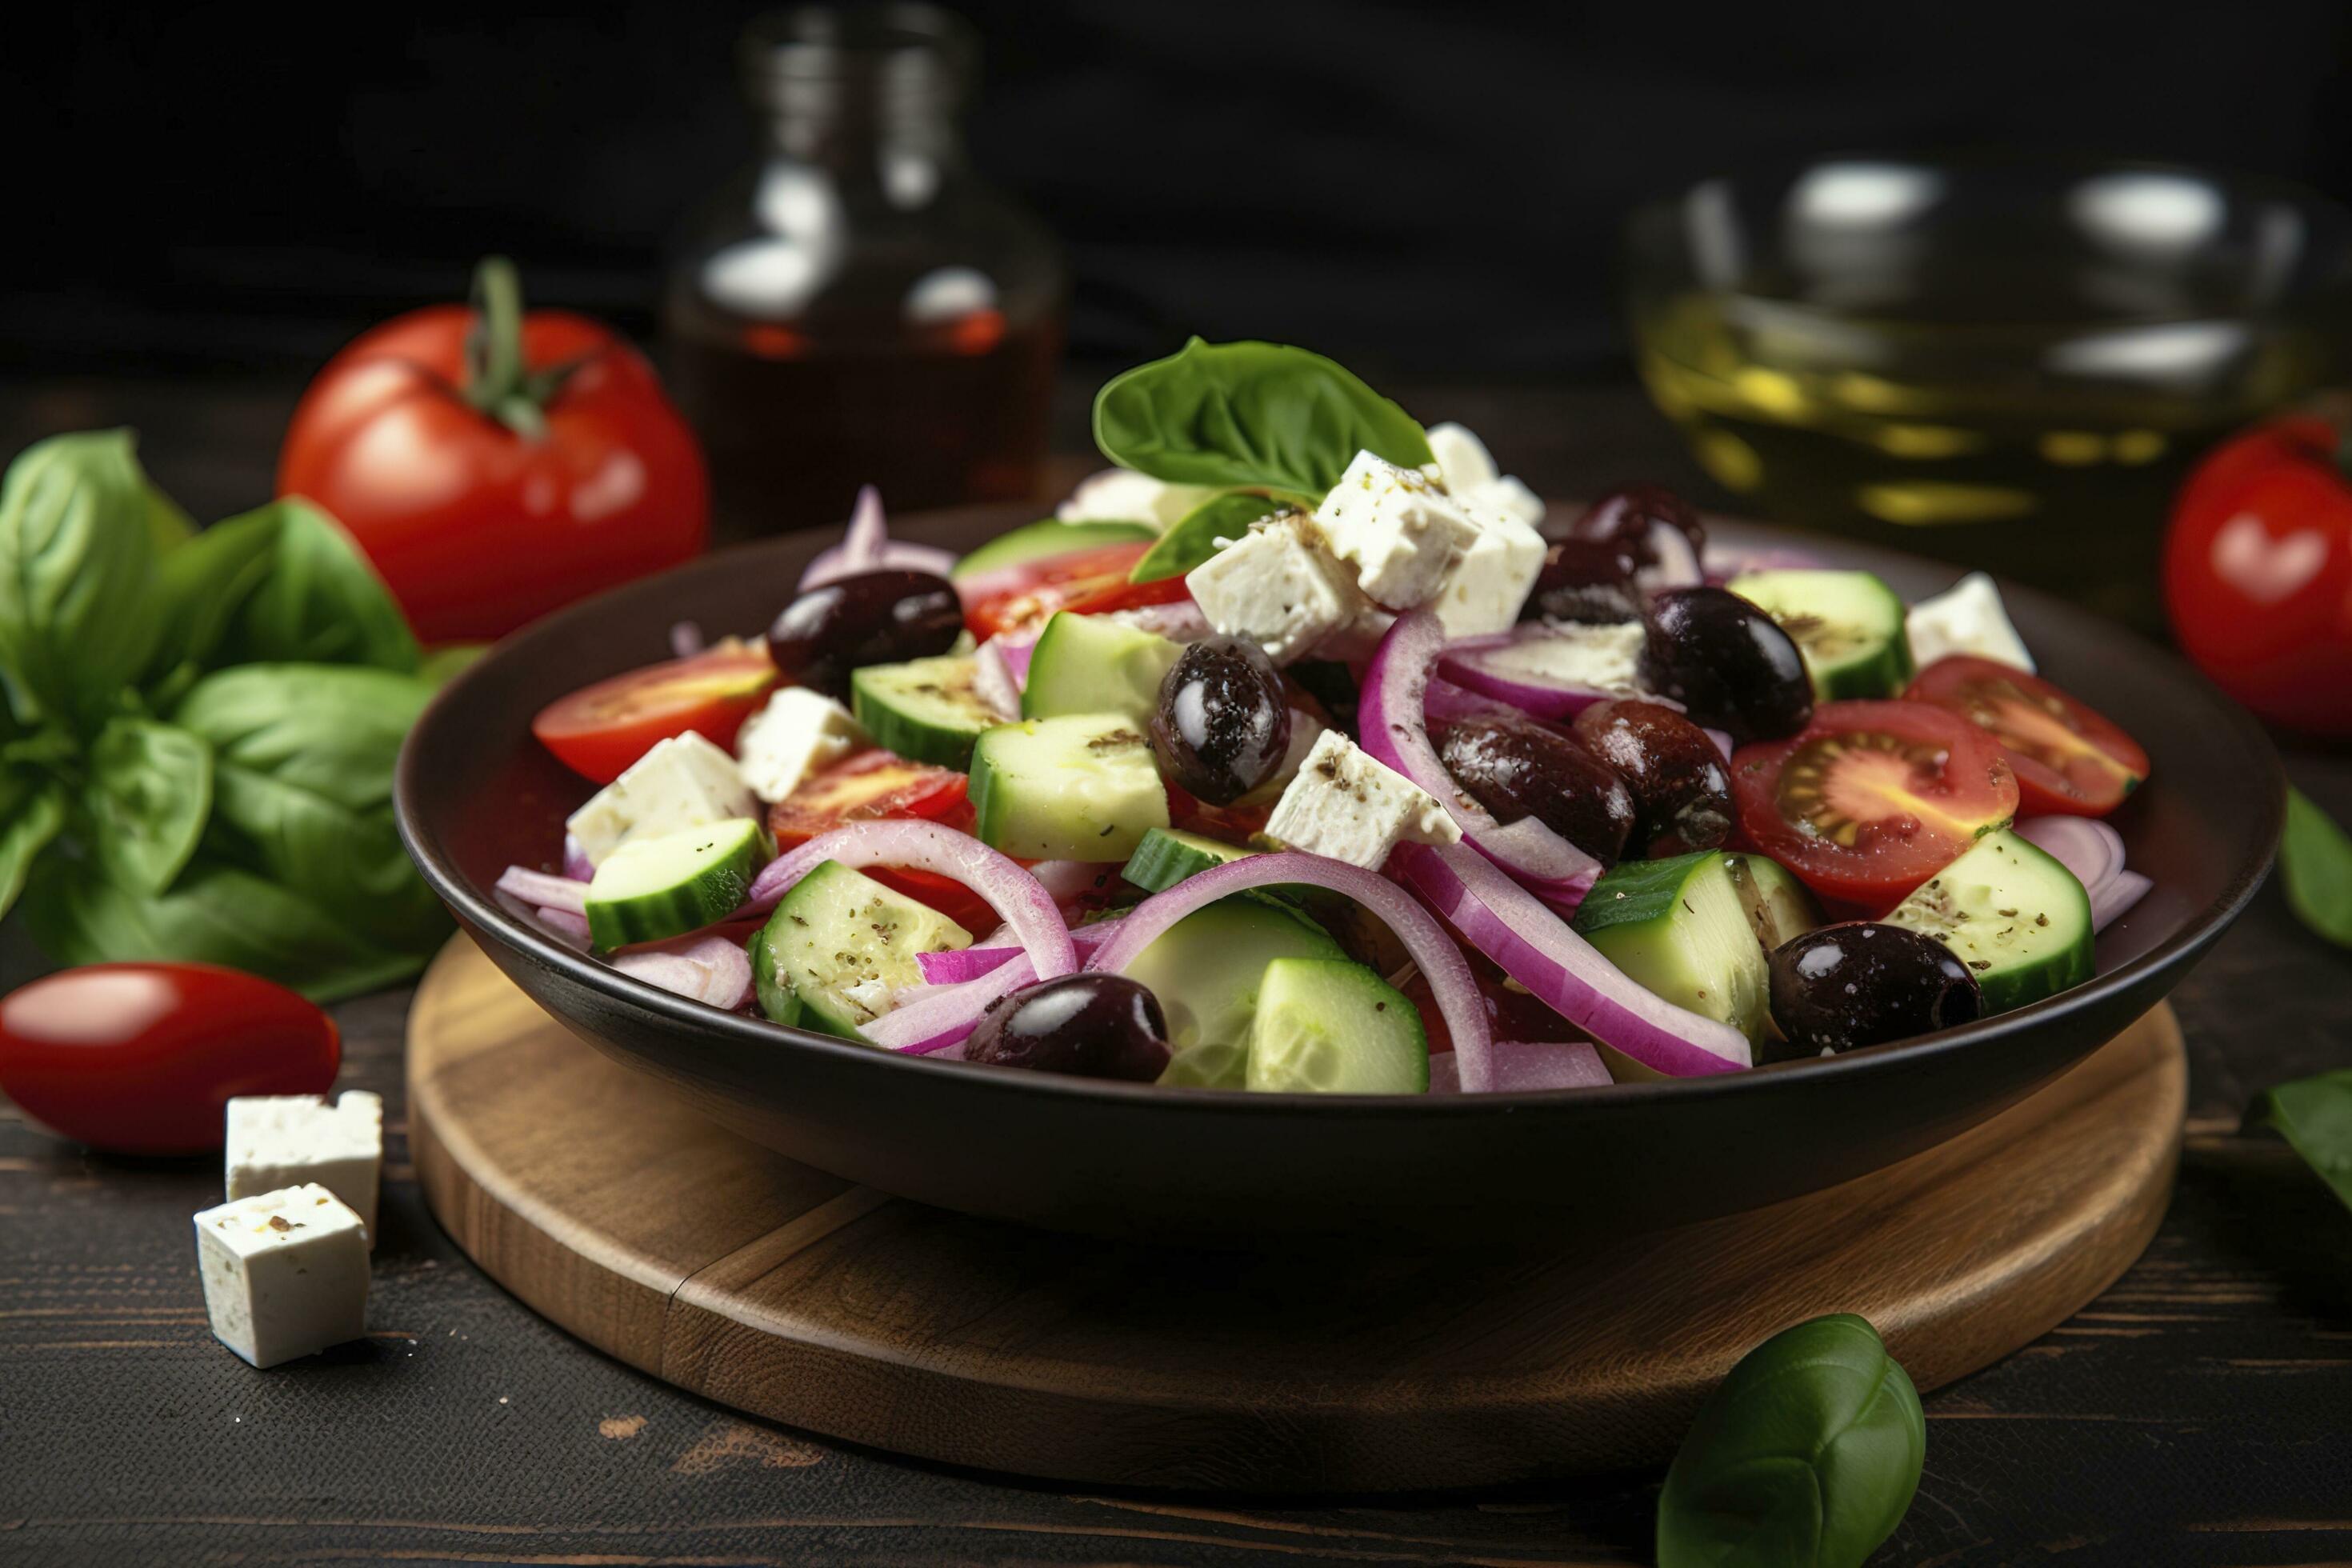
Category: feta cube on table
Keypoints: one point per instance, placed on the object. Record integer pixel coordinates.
(280, 1140)
(1967, 618)
(1344, 804)
(683, 782)
(1397, 528)
(285, 1273)
(798, 733)
(1277, 586)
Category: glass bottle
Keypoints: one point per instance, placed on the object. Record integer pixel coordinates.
(861, 307)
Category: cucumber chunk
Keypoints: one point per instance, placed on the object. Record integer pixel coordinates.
(1778, 906)
(1679, 928)
(1082, 787)
(650, 889)
(1847, 625)
(1039, 541)
(927, 709)
(1205, 971)
(1167, 856)
(1092, 664)
(2012, 913)
(1332, 1026)
(838, 944)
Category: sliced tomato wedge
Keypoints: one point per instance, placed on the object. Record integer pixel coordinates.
(2068, 756)
(599, 730)
(870, 787)
(1087, 581)
(1870, 799)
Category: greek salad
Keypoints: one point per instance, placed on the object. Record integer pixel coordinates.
(1303, 752)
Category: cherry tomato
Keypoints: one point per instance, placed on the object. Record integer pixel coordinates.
(493, 465)
(1870, 799)
(2258, 573)
(2068, 757)
(144, 1059)
(1089, 581)
(599, 730)
(874, 785)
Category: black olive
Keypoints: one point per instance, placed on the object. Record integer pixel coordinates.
(1223, 724)
(1861, 983)
(1642, 520)
(1090, 1026)
(1728, 663)
(1518, 767)
(1681, 783)
(875, 617)
(1584, 582)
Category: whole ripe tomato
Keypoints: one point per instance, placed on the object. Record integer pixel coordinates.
(493, 465)
(144, 1059)
(2258, 573)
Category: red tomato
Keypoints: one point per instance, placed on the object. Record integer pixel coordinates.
(1087, 581)
(144, 1059)
(599, 730)
(2258, 573)
(1872, 798)
(2067, 756)
(494, 476)
(876, 785)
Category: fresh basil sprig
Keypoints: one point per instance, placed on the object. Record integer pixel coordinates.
(2316, 863)
(1194, 537)
(2315, 1116)
(1250, 416)
(1807, 1455)
(77, 591)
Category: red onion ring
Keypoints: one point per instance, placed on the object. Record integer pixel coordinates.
(707, 969)
(2093, 851)
(956, 965)
(1468, 663)
(544, 890)
(867, 545)
(993, 680)
(1528, 1067)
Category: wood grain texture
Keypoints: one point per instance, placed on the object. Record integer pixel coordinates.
(734, 1272)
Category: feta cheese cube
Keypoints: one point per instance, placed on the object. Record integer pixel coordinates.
(1966, 618)
(799, 732)
(1122, 495)
(1468, 472)
(684, 782)
(1348, 807)
(276, 1141)
(285, 1273)
(1396, 528)
(1483, 590)
(1277, 586)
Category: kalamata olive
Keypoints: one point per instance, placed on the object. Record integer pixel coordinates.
(1090, 1026)
(1652, 523)
(1223, 724)
(1859, 983)
(1585, 581)
(873, 618)
(1681, 784)
(1523, 767)
(1726, 663)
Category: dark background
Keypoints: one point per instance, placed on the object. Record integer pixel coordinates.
(1426, 190)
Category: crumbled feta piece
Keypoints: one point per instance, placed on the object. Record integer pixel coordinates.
(1468, 472)
(285, 1273)
(280, 1140)
(684, 782)
(1347, 805)
(1968, 617)
(1483, 591)
(1277, 586)
(1396, 528)
(798, 733)
(873, 995)
(1122, 495)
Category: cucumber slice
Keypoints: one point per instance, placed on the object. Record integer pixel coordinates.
(649, 889)
(1331, 1027)
(1091, 664)
(1679, 928)
(838, 944)
(1038, 541)
(1082, 787)
(1778, 906)
(927, 709)
(1167, 856)
(1848, 625)
(1205, 972)
(2012, 913)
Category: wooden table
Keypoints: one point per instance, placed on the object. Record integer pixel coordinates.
(2200, 1411)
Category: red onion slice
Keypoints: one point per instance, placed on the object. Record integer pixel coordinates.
(1528, 1067)
(2122, 891)
(957, 966)
(867, 545)
(576, 864)
(707, 969)
(567, 928)
(1482, 665)
(1441, 960)
(943, 1015)
(993, 680)
(546, 891)
(2095, 853)
(1567, 974)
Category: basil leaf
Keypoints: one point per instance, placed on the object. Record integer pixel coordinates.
(149, 792)
(303, 788)
(76, 575)
(1249, 413)
(214, 914)
(2316, 862)
(168, 525)
(2314, 1115)
(1194, 538)
(31, 813)
(1807, 1454)
(320, 602)
(206, 580)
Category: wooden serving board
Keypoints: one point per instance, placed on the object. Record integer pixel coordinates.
(633, 1222)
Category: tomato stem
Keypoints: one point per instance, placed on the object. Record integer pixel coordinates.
(497, 380)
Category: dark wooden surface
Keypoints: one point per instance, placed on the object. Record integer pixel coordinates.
(2201, 1411)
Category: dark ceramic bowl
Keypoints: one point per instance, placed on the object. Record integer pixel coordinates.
(475, 792)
